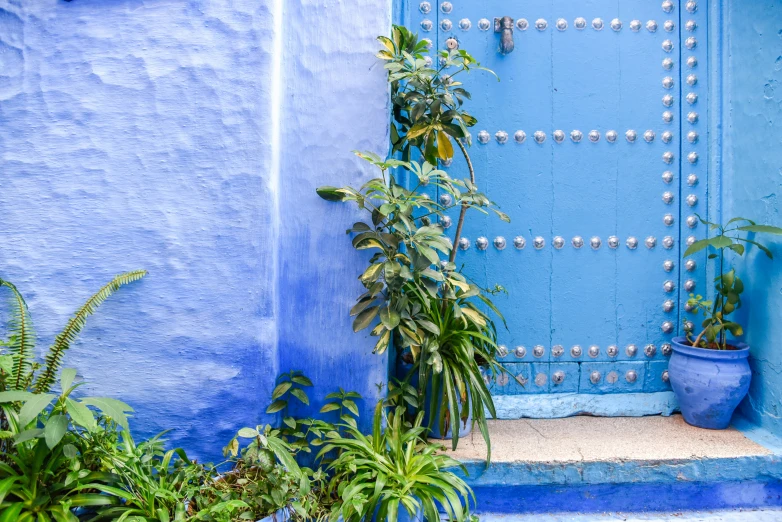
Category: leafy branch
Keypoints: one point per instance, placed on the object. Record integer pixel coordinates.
(414, 295)
(732, 236)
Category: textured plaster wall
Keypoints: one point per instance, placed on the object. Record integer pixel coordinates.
(140, 134)
(752, 185)
(335, 101)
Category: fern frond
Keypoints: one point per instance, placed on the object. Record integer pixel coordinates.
(21, 338)
(62, 342)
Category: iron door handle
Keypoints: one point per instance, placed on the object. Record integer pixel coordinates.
(504, 26)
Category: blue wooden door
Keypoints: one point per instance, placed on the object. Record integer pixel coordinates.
(594, 143)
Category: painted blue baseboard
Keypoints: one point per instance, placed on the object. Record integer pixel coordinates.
(559, 405)
(510, 474)
(597, 498)
(768, 514)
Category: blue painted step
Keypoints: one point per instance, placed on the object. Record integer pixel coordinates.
(732, 515)
(596, 465)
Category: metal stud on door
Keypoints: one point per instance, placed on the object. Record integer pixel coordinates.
(593, 143)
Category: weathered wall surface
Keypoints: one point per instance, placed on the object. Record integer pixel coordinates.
(139, 134)
(335, 100)
(752, 183)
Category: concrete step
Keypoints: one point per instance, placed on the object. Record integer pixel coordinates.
(598, 464)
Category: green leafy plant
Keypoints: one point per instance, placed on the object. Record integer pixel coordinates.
(289, 384)
(153, 483)
(18, 368)
(21, 344)
(449, 361)
(423, 303)
(265, 476)
(42, 476)
(729, 287)
(392, 470)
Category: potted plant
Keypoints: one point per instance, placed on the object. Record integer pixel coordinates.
(428, 310)
(709, 370)
(394, 474)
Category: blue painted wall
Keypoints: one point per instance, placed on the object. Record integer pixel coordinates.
(335, 100)
(752, 181)
(140, 134)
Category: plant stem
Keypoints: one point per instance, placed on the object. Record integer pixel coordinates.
(464, 208)
(698, 339)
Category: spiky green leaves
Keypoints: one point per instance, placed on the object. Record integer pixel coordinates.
(62, 342)
(21, 342)
(394, 470)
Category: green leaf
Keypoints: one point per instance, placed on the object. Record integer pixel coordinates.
(111, 408)
(765, 229)
(362, 304)
(329, 407)
(28, 435)
(761, 247)
(6, 484)
(299, 394)
(390, 318)
(728, 278)
(444, 146)
(7, 363)
(739, 249)
(371, 273)
(281, 451)
(80, 414)
(736, 219)
(15, 396)
(281, 389)
(33, 407)
(716, 242)
(330, 193)
(382, 342)
(55, 429)
(365, 318)
(720, 241)
(428, 326)
(70, 451)
(734, 329)
(11, 513)
(351, 406)
(276, 406)
(301, 380)
(67, 375)
(248, 433)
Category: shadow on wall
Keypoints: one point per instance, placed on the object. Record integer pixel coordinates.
(752, 174)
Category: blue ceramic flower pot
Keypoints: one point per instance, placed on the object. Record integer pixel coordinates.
(709, 384)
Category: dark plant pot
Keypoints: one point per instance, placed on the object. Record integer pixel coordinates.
(709, 384)
(403, 369)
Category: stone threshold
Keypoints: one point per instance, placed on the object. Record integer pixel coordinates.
(585, 450)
